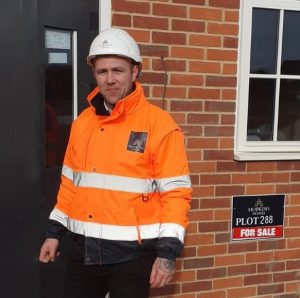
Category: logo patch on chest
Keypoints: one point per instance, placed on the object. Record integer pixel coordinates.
(137, 141)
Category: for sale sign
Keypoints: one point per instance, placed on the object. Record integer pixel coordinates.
(257, 217)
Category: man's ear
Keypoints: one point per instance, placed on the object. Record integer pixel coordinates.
(135, 72)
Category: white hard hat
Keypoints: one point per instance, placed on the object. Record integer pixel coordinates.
(114, 42)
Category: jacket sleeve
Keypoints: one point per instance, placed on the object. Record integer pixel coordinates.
(173, 184)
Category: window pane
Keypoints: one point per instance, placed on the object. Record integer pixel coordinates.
(290, 63)
(261, 110)
(264, 41)
(289, 111)
(58, 94)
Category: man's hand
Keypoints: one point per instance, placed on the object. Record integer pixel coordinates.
(48, 250)
(162, 272)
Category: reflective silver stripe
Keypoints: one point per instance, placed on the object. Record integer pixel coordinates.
(167, 184)
(112, 232)
(127, 184)
(59, 216)
(172, 230)
(67, 172)
(105, 231)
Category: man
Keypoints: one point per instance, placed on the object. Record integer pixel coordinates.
(125, 189)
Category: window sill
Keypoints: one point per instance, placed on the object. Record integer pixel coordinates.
(265, 156)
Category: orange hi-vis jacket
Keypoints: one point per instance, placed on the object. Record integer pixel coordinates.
(125, 179)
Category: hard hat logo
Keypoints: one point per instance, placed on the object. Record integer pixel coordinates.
(114, 42)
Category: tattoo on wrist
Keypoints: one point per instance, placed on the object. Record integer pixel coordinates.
(166, 265)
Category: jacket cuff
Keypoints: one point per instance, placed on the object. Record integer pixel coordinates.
(56, 230)
(169, 248)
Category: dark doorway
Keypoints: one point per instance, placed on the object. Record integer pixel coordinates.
(29, 174)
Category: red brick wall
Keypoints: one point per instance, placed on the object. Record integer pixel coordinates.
(198, 40)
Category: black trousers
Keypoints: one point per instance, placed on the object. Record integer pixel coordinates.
(123, 280)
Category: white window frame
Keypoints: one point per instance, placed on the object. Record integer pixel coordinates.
(259, 150)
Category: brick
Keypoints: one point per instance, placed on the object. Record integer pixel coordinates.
(220, 81)
(170, 65)
(218, 155)
(196, 286)
(207, 227)
(219, 106)
(287, 166)
(225, 3)
(184, 276)
(257, 279)
(231, 166)
(275, 177)
(260, 189)
(203, 167)
(198, 263)
(292, 265)
(204, 40)
(186, 80)
(288, 188)
(169, 10)
(261, 166)
(211, 250)
(185, 105)
(191, 240)
(270, 289)
(241, 292)
(215, 203)
(286, 276)
(193, 2)
(226, 143)
(171, 92)
(292, 210)
(151, 78)
(230, 42)
(200, 215)
(211, 273)
(222, 237)
(204, 93)
(205, 67)
(241, 270)
(154, 50)
(245, 178)
(212, 294)
(242, 247)
(272, 244)
(187, 52)
(203, 119)
(271, 267)
(295, 176)
(222, 55)
(205, 13)
(229, 69)
(188, 252)
(218, 131)
(228, 119)
(222, 29)
(131, 6)
(291, 232)
(259, 257)
(291, 254)
(194, 155)
(215, 179)
(222, 214)
(229, 94)
(231, 16)
(293, 243)
(232, 282)
(192, 130)
(230, 190)
(203, 191)
(189, 26)
(119, 20)
(227, 260)
(150, 22)
(169, 38)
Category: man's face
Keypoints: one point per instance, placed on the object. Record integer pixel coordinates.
(114, 77)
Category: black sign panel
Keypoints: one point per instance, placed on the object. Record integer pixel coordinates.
(255, 217)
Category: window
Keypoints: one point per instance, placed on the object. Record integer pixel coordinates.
(268, 107)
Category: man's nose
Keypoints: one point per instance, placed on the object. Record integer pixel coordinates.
(110, 77)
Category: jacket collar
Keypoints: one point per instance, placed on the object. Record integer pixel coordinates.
(123, 106)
